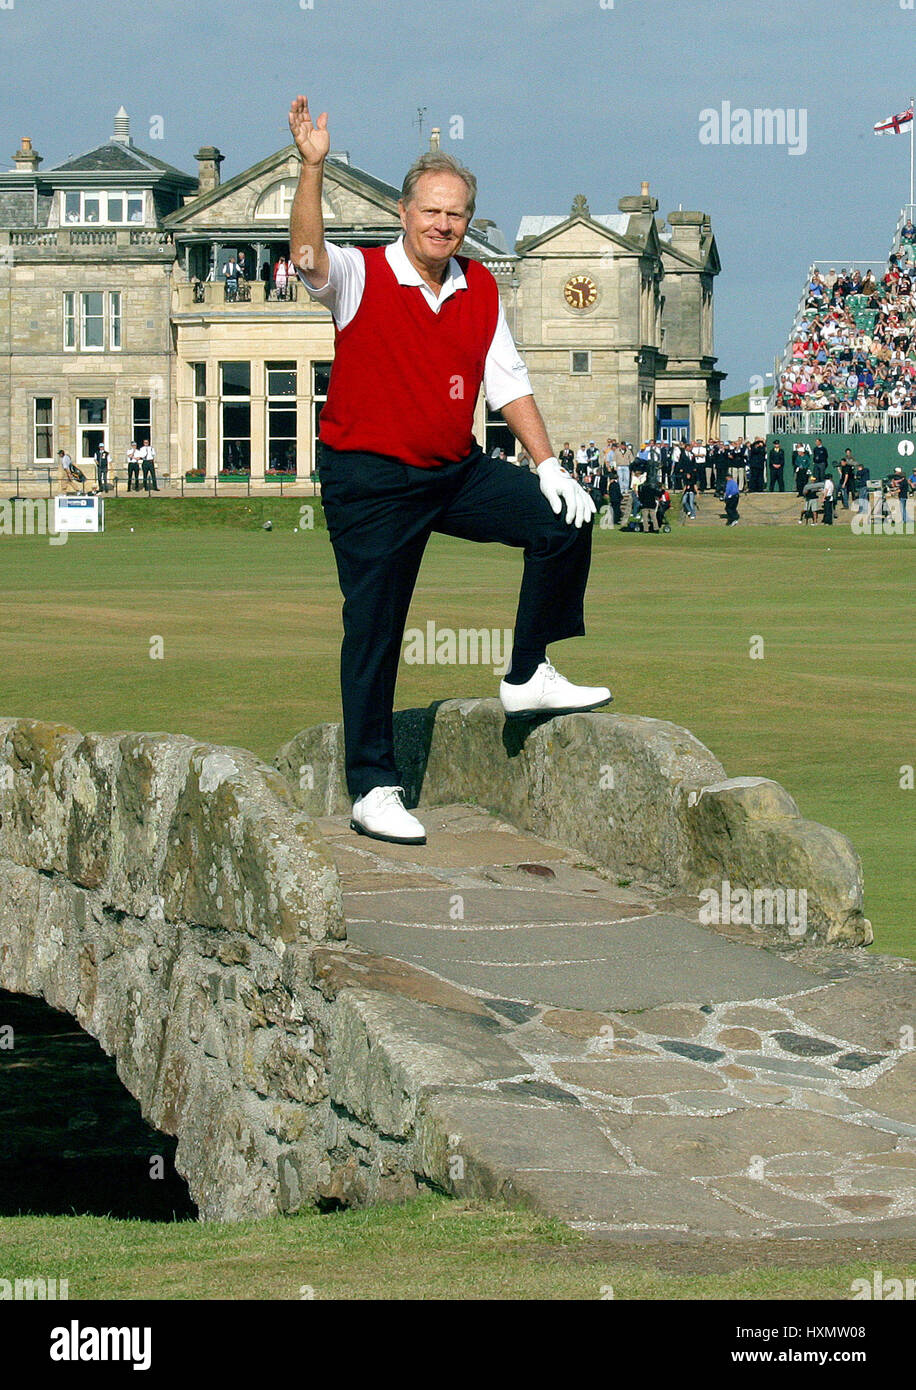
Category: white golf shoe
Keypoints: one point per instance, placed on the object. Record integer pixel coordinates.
(381, 815)
(548, 692)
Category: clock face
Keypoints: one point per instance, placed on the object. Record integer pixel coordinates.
(580, 292)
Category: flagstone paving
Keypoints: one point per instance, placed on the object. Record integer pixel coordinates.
(622, 1066)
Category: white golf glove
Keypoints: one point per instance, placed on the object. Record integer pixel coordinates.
(559, 488)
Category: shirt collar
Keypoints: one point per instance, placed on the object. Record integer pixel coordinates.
(407, 274)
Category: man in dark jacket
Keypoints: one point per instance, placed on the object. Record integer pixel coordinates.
(820, 460)
(757, 461)
(777, 468)
(614, 496)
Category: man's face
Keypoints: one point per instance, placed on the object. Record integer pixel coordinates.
(435, 220)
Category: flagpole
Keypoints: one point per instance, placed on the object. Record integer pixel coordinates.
(912, 147)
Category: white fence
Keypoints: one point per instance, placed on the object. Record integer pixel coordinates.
(841, 422)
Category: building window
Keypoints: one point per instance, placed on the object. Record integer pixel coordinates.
(497, 435)
(199, 374)
(92, 321)
(114, 320)
(44, 429)
(580, 363)
(112, 209)
(142, 419)
(92, 428)
(275, 203)
(235, 411)
(281, 417)
(70, 321)
(85, 316)
(321, 377)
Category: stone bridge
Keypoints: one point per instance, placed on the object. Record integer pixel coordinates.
(183, 902)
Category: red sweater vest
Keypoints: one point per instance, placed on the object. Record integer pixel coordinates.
(405, 380)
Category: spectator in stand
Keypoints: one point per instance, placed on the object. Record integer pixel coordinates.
(908, 235)
(777, 462)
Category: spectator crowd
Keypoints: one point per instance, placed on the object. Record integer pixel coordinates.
(854, 350)
(640, 483)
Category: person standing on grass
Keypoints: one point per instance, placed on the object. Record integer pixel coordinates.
(418, 331)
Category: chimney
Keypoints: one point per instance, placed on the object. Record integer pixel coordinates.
(688, 229)
(434, 139)
(122, 127)
(208, 161)
(641, 203)
(26, 159)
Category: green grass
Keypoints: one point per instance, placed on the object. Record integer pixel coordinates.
(432, 1248)
(250, 622)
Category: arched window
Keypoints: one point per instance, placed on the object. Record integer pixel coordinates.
(275, 202)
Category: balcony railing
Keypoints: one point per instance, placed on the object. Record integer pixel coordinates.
(780, 421)
(210, 294)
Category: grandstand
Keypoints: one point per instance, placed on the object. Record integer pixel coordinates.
(849, 366)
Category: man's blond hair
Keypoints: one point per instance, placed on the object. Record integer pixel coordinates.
(437, 162)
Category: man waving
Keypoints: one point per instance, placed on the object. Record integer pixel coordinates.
(418, 331)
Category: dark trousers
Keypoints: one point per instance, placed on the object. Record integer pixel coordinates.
(380, 514)
(731, 508)
(133, 475)
(149, 476)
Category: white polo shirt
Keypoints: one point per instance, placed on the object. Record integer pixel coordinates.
(505, 376)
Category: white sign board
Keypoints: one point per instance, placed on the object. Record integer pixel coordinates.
(757, 405)
(79, 513)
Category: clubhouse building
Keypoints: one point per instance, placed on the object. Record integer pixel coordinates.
(117, 324)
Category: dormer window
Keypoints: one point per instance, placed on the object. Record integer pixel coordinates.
(108, 209)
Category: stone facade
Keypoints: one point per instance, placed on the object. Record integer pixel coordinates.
(632, 357)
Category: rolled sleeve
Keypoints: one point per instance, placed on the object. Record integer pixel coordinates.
(346, 282)
(505, 376)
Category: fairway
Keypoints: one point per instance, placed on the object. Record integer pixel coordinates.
(250, 620)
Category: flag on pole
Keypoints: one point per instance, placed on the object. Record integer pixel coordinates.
(894, 124)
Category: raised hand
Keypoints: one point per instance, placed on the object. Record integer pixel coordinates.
(312, 139)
